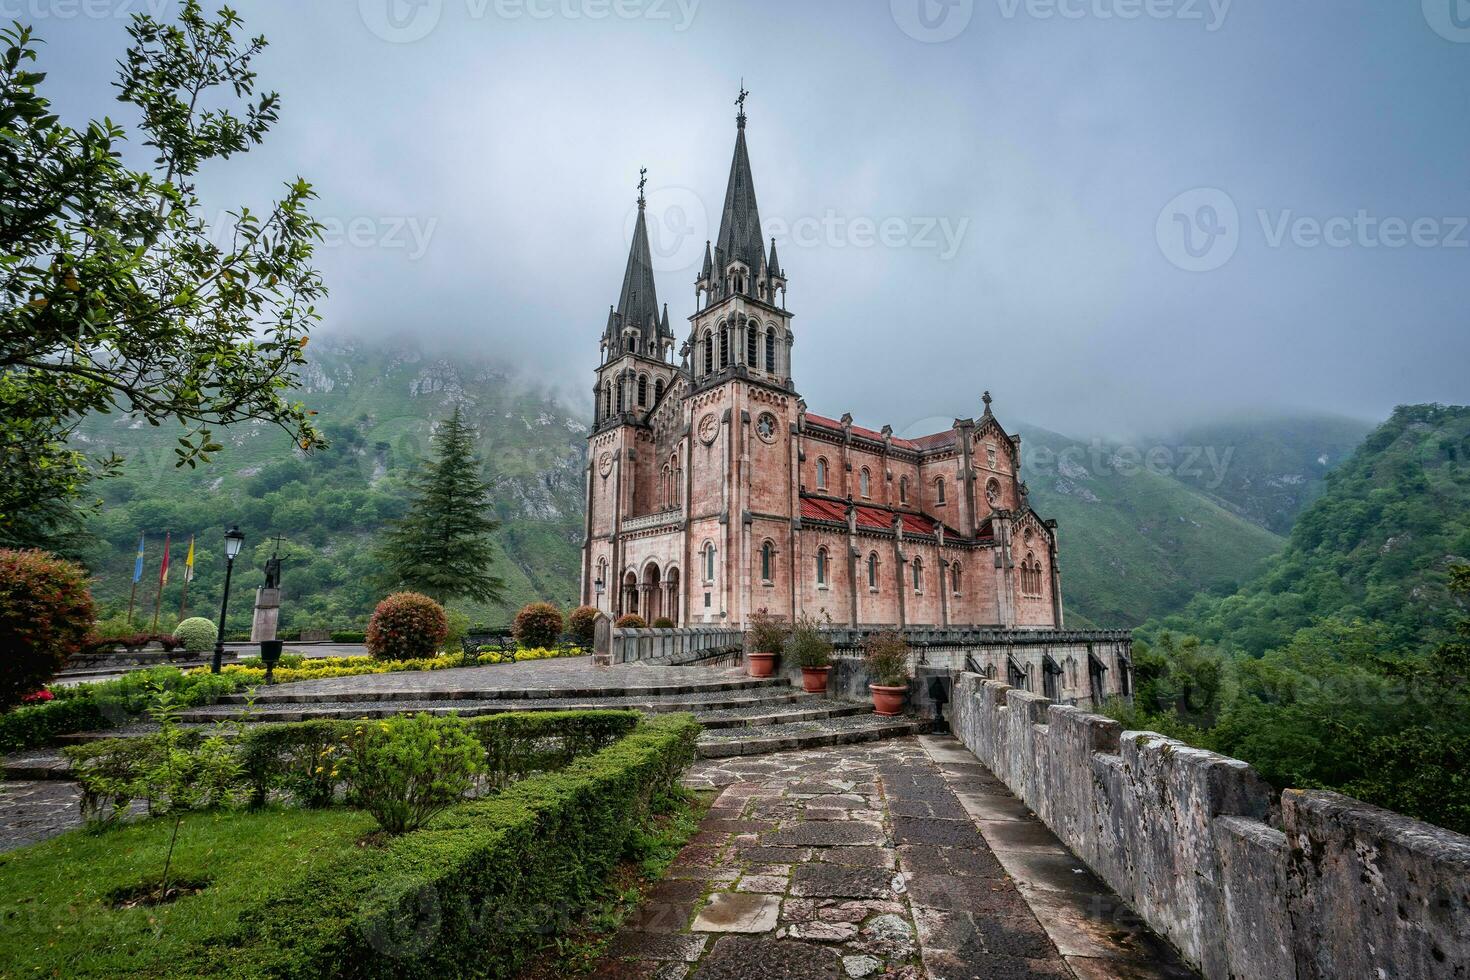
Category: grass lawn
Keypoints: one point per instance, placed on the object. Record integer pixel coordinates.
(56, 911)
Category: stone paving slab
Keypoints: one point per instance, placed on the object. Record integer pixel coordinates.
(34, 811)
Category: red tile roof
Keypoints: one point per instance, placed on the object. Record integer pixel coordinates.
(923, 442)
(873, 518)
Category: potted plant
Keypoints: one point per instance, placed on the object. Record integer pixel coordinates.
(887, 658)
(765, 638)
(813, 652)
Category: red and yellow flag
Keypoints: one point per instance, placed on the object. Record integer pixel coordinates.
(163, 569)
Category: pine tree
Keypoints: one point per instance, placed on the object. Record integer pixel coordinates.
(441, 547)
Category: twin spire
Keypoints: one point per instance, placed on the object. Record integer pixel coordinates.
(740, 239)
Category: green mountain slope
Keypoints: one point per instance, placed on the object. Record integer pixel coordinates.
(377, 404)
(1266, 469)
(1135, 542)
(1377, 545)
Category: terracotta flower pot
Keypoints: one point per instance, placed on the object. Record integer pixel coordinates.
(814, 679)
(888, 701)
(761, 664)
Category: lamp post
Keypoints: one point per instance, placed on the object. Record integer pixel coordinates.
(234, 540)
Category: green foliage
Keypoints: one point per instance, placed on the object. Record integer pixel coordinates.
(46, 615)
(631, 621)
(458, 630)
(352, 636)
(886, 655)
(807, 645)
(118, 298)
(766, 633)
(407, 769)
(664, 623)
(406, 626)
(582, 624)
(197, 634)
(441, 546)
(538, 625)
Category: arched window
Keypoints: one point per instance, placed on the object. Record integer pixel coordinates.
(724, 346)
(865, 483)
(821, 473)
(709, 561)
(751, 337)
(768, 554)
(903, 489)
(621, 402)
(954, 578)
(709, 353)
(821, 566)
(939, 490)
(918, 575)
(771, 350)
(658, 391)
(873, 570)
(642, 390)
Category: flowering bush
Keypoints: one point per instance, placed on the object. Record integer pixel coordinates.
(46, 615)
(537, 625)
(38, 697)
(767, 634)
(632, 621)
(196, 634)
(405, 626)
(887, 657)
(404, 770)
(582, 624)
(807, 644)
(663, 623)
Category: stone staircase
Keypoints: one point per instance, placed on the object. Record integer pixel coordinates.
(740, 715)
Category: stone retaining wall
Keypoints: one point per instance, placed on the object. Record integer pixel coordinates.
(1312, 886)
(671, 646)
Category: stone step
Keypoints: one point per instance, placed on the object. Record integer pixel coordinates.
(766, 714)
(287, 696)
(845, 730)
(37, 765)
(765, 701)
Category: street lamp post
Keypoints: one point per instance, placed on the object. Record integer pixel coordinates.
(234, 539)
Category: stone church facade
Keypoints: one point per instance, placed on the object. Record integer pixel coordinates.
(713, 491)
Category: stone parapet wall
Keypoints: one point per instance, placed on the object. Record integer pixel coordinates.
(1311, 885)
(673, 646)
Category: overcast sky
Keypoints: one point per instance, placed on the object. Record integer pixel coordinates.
(1116, 215)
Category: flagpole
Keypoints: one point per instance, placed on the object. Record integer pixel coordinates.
(137, 575)
(188, 575)
(131, 599)
(162, 580)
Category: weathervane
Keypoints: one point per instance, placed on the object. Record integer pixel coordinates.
(642, 182)
(741, 100)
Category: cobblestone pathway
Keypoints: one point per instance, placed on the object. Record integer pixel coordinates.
(863, 862)
(33, 811)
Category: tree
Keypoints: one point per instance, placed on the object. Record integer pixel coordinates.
(441, 546)
(116, 293)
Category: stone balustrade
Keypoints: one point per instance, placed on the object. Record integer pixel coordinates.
(673, 646)
(1247, 885)
(649, 521)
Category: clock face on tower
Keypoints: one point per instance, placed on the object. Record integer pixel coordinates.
(765, 427)
(709, 427)
(605, 464)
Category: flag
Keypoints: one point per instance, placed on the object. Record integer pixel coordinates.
(189, 562)
(163, 569)
(138, 564)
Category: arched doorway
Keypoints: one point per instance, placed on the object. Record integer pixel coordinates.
(671, 596)
(630, 594)
(652, 593)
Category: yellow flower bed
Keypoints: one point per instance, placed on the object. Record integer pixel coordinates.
(315, 668)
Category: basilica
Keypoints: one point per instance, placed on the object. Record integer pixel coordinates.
(714, 492)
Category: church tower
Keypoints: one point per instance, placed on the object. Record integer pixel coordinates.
(743, 413)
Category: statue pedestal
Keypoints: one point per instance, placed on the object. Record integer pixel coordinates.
(267, 615)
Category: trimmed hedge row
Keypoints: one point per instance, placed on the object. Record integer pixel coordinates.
(477, 892)
(288, 758)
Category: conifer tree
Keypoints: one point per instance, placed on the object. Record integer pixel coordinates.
(442, 547)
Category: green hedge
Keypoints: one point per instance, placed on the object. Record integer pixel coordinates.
(478, 892)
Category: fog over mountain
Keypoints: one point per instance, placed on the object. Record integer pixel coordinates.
(1117, 222)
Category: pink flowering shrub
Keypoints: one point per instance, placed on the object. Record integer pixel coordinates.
(406, 626)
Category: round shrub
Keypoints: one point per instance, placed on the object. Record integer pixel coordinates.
(46, 615)
(582, 624)
(197, 634)
(406, 769)
(663, 623)
(538, 625)
(406, 626)
(632, 621)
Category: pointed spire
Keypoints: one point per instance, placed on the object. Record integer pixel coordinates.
(740, 236)
(638, 302)
(774, 263)
(709, 263)
(663, 327)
